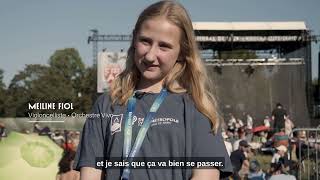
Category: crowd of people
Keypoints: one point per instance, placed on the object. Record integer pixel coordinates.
(245, 140)
(68, 140)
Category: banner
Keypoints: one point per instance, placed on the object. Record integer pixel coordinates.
(110, 65)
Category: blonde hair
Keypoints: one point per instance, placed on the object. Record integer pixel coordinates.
(188, 74)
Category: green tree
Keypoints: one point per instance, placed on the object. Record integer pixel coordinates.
(67, 72)
(21, 90)
(2, 94)
(67, 63)
(88, 90)
(2, 85)
(65, 80)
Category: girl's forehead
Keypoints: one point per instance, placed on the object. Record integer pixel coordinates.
(160, 28)
(160, 22)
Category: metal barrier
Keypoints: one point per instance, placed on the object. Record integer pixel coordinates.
(304, 148)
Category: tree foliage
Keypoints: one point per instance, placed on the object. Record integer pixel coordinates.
(2, 94)
(21, 89)
(65, 79)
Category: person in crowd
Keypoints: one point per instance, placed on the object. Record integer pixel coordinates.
(305, 149)
(239, 124)
(232, 123)
(263, 136)
(65, 167)
(241, 136)
(255, 172)
(279, 115)
(227, 143)
(68, 145)
(231, 136)
(281, 153)
(57, 137)
(239, 159)
(288, 126)
(41, 131)
(249, 122)
(36, 127)
(258, 140)
(266, 122)
(280, 171)
(2, 130)
(280, 138)
(161, 105)
(76, 139)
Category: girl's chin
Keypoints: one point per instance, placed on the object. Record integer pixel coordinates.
(151, 79)
(152, 76)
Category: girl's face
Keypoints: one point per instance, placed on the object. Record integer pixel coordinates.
(157, 48)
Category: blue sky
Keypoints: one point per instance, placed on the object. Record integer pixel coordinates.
(30, 31)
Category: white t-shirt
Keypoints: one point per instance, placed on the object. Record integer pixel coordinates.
(228, 147)
(288, 125)
(232, 122)
(249, 122)
(275, 158)
(236, 144)
(282, 177)
(266, 122)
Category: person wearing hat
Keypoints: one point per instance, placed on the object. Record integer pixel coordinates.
(239, 158)
(281, 153)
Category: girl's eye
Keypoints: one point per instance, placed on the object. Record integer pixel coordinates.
(145, 41)
(165, 46)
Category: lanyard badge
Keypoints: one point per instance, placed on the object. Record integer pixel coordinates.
(130, 152)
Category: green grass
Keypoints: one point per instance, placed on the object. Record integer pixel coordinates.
(264, 161)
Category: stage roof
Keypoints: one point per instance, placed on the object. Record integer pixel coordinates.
(249, 26)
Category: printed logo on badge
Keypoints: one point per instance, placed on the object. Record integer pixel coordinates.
(140, 121)
(116, 121)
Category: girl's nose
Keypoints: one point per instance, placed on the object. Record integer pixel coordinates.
(151, 54)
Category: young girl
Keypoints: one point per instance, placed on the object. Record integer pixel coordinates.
(159, 106)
